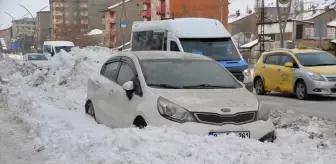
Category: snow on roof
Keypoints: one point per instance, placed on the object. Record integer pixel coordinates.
(95, 32)
(332, 23)
(118, 4)
(250, 44)
(325, 3)
(309, 15)
(234, 18)
(59, 43)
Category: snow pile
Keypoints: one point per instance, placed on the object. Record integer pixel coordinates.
(53, 112)
(95, 32)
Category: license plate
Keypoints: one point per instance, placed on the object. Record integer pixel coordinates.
(239, 134)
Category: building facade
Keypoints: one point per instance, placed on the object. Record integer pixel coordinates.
(95, 15)
(23, 27)
(148, 10)
(43, 26)
(69, 18)
(113, 17)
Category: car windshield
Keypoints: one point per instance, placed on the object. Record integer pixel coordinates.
(37, 57)
(311, 59)
(65, 48)
(187, 73)
(219, 49)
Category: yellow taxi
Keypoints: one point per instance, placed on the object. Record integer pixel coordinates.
(301, 71)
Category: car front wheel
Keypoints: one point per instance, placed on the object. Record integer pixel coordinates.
(301, 90)
(259, 86)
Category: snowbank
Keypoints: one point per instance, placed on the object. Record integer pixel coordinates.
(50, 102)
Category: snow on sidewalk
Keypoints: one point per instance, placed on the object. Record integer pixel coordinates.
(51, 104)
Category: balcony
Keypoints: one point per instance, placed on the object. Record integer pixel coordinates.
(146, 14)
(147, 2)
(161, 10)
(112, 20)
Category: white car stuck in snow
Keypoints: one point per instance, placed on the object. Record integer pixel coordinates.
(186, 91)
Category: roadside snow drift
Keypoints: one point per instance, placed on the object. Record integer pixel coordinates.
(50, 103)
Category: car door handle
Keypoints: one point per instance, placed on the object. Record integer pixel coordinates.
(279, 70)
(111, 92)
(97, 83)
(264, 66)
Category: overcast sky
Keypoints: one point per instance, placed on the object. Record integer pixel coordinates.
(11, 7)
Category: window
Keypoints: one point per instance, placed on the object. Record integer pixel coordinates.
(174, 46)
(125, 74)
(284, 59)
(311, 59)
(148, 40)
(110, 71)
(272, 59)
(219, 49)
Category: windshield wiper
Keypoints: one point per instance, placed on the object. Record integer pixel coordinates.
(164, 86)
(208, 86)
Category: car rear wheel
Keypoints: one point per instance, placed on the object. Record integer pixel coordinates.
(259, 86)
(90, 110)
(301, 90)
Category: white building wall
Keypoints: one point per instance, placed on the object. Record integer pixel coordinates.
(274, 28)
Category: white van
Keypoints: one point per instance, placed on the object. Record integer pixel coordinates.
(201, 36)
(54, 47)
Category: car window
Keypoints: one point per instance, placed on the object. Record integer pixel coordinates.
(311, 59)
(272, 59)
(174, 46)
(284, 58)
(125, 74)
(110, 71)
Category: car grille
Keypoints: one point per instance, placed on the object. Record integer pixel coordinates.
(239, 76)
(213, 118)
(331, 78)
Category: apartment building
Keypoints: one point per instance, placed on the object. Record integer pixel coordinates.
(95, 14)
(69, 18)
(112, 20)
(23, 27)
(43, 26)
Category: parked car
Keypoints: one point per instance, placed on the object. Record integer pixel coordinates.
(191, 92)
(37, 59)
(54, 47)
(301, 71)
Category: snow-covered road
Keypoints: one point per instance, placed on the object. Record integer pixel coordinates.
(49, 103)
(16, 147)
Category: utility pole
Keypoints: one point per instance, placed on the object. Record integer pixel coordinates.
(283, 17)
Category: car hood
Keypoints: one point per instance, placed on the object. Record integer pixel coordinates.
(211, 100)
(322, 69)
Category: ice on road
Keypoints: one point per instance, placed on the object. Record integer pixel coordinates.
(50, 103)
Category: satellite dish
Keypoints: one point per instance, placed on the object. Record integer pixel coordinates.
(283, 2)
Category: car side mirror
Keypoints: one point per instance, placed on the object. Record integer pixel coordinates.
(289, 65)
(129, 88)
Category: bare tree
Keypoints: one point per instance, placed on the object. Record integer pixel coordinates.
(220, 5)
(283, 17)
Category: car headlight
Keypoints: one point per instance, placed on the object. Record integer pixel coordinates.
(247, 72)
(316, 76)
(263, 113)
(173, 112)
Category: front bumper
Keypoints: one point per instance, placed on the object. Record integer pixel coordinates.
(321, 88)
(259, 130)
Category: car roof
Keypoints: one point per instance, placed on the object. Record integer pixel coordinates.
(147, 55)
(294, 50)
(34, 54)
